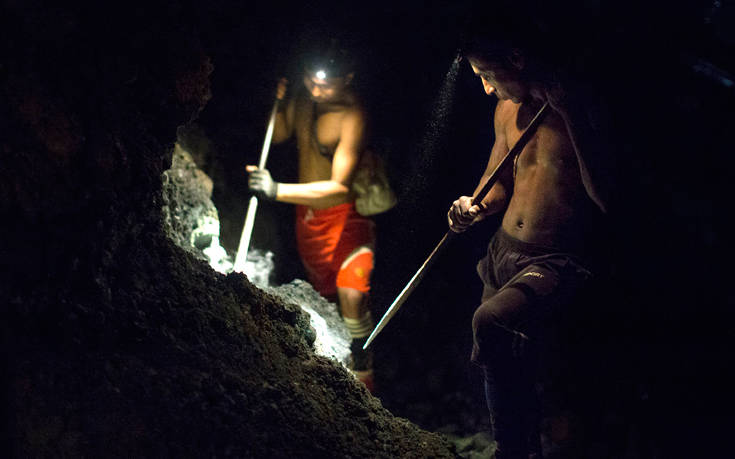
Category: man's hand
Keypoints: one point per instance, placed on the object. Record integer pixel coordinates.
(261, 184)
(462, 214)
(281, 89)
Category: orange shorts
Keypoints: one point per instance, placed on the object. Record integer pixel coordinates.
(336, 247)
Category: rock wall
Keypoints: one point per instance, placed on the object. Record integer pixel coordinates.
(116, 342)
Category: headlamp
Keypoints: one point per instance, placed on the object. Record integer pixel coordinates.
(327, 61)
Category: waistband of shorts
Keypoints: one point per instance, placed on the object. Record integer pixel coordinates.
(529, 248)
(345, 207)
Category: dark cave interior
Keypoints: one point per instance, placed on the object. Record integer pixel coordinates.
(116, 343)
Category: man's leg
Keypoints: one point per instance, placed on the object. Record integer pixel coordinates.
(510, 329)
(354, 306)
(353, 285)
(508, 362)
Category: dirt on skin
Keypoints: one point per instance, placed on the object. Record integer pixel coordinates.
(116, 342)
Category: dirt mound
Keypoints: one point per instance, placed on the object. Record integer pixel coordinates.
(117, 343)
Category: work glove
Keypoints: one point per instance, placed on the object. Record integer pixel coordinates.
(261, 184)
(462, 214)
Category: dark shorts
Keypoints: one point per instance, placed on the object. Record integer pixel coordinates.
(547, 276)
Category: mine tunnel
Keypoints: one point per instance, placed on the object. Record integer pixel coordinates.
(125, 132)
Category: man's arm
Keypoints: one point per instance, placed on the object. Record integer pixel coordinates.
(462, 214)
(595, 168)
(283, 128)
(326, 193)
(596, 164)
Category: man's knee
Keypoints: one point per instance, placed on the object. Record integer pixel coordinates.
(490, 335)
(485, 320)
(352, 303)
(499, 326)
(506, 308)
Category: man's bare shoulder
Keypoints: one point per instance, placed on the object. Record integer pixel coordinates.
(506, 112)
(554, 126)
(354, 116)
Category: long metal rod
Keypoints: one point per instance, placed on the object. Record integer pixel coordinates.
(247, 230)
(507, 159)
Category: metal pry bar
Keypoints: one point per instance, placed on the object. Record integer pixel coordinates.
(507, 159)
(247, 230)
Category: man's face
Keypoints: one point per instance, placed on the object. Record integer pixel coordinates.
(324, 89)
(502, 82)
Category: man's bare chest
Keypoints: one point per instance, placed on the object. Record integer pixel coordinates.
(548, 151)
(327, 128)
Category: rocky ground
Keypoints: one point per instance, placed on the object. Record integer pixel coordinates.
(188, 212)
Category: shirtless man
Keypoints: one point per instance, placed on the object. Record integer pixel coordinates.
(334, 241)
(536, 261)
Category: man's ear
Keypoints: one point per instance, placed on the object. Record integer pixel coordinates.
(517, 59)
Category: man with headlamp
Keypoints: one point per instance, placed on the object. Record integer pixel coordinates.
(334, 241)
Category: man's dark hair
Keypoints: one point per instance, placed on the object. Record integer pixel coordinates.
(551, 37)
(330, 56)
(500, 37)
